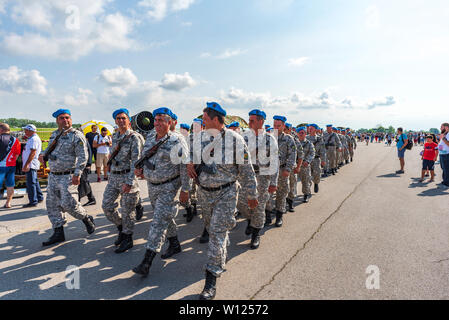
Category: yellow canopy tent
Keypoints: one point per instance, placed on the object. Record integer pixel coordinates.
(229, 119)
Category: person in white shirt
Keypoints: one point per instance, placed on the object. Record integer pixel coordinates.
(103, 144)
(31, 164)
(443, 148)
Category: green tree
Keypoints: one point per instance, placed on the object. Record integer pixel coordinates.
(434, 131)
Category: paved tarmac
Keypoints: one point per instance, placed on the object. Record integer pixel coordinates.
(364, 216)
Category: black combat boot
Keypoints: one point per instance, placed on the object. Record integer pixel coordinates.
(139, 212)
(195, 212)
(173, 248)
(210, 288)
(306, 198)
(89, 223)
(347, 161)
(127, 243)
(248, 229)
(57, 236)
(90, 200)
(267, 218)
(351, 159)
(325, 174)
(121, 236)
(189, 214)
(205, 236)
(144, 267)
(334, 171)
(316, 188)
(279, 220)
(290, 205)
(255, 239)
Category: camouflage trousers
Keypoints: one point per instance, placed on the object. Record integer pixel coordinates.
(163, 225)
(282, 192)
(62, 197)
(339, 156)
(332, 157)
(315, 167)
(292, 184)
(269, 206)
(305, 177)
(257, 215)
(218, 209)
(113, 194)
(351, 152)
(346, 153)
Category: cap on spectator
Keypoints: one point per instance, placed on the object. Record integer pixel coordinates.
(215, 106)
(30, 127)
(61, 111)
(118, 111)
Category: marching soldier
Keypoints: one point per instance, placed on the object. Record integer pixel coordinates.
(332, 143)
(287, 163)
(309, 156)
(352, 143)
(139, 206)
(165, 176)
(122, 183)
(293, 178)
(320, 155)
(67, 157)
(217, 188)
(264, 155)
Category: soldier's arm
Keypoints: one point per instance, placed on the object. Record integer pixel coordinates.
(274, 161)
(81, 153)
(300, 151)
(338, 142)
(291, 156)
(311, 153)
(323, 151)
(136, 151)
(247, 176)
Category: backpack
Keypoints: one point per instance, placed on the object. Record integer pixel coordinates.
(409, 145)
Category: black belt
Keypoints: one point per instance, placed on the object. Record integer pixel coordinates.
(63, 173)
(218, 188)
(121, 171)
(256, 168)
(167, 181)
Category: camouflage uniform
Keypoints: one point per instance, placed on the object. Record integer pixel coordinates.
(70, 155)
(124, 161)
(352, 145)
(320, 156)
(265, 177)
(293, 178)
(164, 178)
(218, 206)
(345, 143)
(142, 141)
(287, 161)
(304, 174)
(332, 142)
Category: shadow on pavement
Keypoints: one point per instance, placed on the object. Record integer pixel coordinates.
(434, 192)
(29, 271)
(389, 175)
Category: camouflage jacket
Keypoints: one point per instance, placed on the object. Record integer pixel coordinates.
(331, 139)
(129, 153)
(320, 148)
(287, 152)
(309, 150)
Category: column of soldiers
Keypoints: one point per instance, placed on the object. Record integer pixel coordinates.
(221, 169)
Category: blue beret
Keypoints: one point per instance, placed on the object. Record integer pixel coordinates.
(185, 126)
(118, 111)
(348, 129)
(288, 125)
(166, 111)
(198, 120)
(61, 111)
(257, 112)
(280, 118)
(333, 128)
(215, 106)
(234, 124)
(301, 128)
(174, 116)
(267, 126)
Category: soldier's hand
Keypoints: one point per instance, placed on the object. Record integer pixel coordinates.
(323, 164)
(296, 170)
(285, 173)
(126, 188)
(252, 203)
(191, 171)
(138, 173)
(183, 197)
(76, 180)
(272, 189)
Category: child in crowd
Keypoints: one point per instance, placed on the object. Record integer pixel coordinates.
(429, 156)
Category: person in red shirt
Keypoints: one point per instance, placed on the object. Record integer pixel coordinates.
(10, 149)
(429, 156)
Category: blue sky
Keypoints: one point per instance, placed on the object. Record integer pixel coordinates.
(352, 63)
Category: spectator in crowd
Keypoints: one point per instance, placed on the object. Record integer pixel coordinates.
(429, 156)
(401, 144)
(443, 148)
(10, 149)
(103, 145)
(90, 138)
(31, 164)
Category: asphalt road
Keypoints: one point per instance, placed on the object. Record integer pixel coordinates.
(364, 216)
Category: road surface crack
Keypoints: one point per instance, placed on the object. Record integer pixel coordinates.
(318, 229)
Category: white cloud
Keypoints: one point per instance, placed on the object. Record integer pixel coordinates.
(385, 102)
(17, 81)
(159, 9)
(228, 53)
(298, 62)
(118, 77)
(52, 35)
(177, 82)
(372, 15)
(81, 99)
